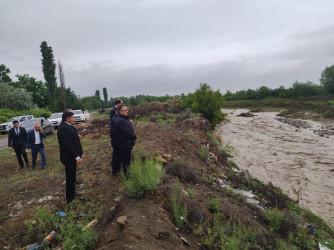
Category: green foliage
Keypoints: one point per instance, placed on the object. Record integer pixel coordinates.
(227, 235)
(68, 232)
(274, 218)
(178, 206)
(203, 152)
(206, 102)
(13, 98)
(4, 71)
(6, 114)
(213, 205)
(302, 239)
(225, 151)
(49, 71)
(215, 139)
(191, 192)
(327, 79)
(143, 176)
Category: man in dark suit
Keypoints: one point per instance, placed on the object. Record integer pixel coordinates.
(113, 109)
(70, 151)
(17, 137)
(123, 138)
(115, 160)
(35, 142)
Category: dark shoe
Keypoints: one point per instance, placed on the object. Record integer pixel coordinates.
(43, 167)
(81, 199)
(21, 167)
(115, 174)
(34, 167)
(77, 182)
(77, 194)
(27, 164)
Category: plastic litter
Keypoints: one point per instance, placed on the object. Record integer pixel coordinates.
(222, 183)
(48, 238)
(200, 214)
(62, 214)
(257, 203)
(235, 170)
(90, 224)
(248, 194)
(312, 229)
(322, 247)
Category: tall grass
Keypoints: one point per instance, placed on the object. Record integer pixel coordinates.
(143, 176)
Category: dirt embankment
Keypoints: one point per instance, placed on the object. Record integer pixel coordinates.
(295, 155)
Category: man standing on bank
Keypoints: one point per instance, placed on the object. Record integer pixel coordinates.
(17, 137)
(123, 138)
(118, 103)
(35, 142)
(70, 151)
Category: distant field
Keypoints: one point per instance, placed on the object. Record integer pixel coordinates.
(299, 108)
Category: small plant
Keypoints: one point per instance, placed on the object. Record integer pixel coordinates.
(143, 176)
(225, 151)
(215, 139)
(179, 208)
(213, 205)
(274, 218)
(191, 192)
(203, 152)
(140, 153)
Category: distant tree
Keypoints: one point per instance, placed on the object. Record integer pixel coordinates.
(98, 98)
(4, 71)
(207, 102)
(37, 89)
(327, 79)
(49, 71)
(12, 98)
(105, 97)
(62, 83)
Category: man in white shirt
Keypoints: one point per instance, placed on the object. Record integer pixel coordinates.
(35, 142)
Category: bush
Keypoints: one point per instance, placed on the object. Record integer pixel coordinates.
(143, 176)
(178, 206)
(203, 152)
(6, 114)
(213, 205)
(206, 102)
(274, 218)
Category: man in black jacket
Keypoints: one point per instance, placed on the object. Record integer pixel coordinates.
(118, 103)
(123, 138)
(17, 138)
(70, 151)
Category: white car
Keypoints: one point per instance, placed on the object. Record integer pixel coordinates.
(81, 116)
(6, 126)
(55, 119)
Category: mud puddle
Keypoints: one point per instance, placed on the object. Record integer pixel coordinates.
(295, 155)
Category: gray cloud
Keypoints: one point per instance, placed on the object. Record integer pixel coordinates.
(169, 47)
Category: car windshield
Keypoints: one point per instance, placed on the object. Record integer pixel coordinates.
(15, 118)
(77, 112)
(29, 124)
(55, 116)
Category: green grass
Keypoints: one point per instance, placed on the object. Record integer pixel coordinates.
(213, 205)
(203, 152)
(178, 206)
(4, 152)
(143, 176)
(274, 218)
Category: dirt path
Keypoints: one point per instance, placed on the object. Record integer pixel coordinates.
(295, 155)
(3, 142)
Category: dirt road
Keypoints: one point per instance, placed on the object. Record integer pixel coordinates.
(295, 155)
(3, 142)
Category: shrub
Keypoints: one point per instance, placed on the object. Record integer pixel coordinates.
(206, 102)
(143, 176)
(213, 205)
(225, 151)
(274, 218)
(178, 206)
(203, 152)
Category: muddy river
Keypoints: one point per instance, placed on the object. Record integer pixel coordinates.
(295, 155)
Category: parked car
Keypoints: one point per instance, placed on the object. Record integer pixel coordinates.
(55, 119)
(81, 116)
(45, 125)
(6, 126)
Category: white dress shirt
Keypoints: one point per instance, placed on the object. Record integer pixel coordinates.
(37, 137)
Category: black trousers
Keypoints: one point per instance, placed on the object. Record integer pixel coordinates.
(125, 158)
(115, 161)
(71, 173)
(20, 150)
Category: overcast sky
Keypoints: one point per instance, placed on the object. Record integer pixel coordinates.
(160, 47)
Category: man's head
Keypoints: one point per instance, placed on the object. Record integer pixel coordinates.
(68, 110)
(118, 102)
(37, 126)
(68, 117)
(123, 110)
(16, 124)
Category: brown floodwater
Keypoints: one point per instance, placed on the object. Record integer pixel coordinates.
(298, 160)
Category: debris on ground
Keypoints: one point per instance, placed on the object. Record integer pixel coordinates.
(246, 114)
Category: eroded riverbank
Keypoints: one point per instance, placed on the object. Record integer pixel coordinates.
(291, 154)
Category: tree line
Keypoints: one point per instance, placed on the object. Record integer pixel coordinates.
(298, 89)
